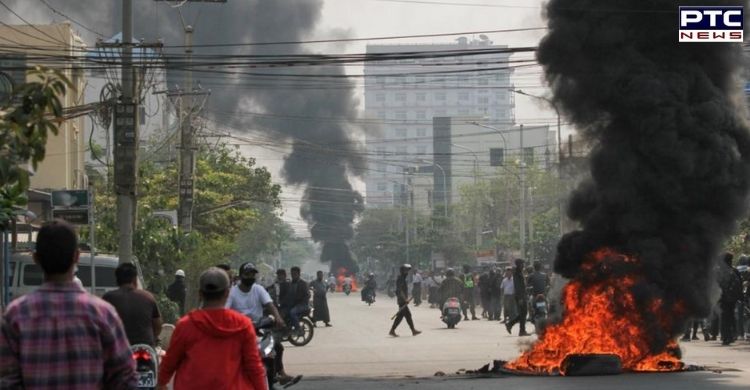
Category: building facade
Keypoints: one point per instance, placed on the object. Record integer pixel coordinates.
(403, 96)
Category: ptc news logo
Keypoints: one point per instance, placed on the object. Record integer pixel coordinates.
(711, 24)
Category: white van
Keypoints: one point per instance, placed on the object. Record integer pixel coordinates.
(26, 275)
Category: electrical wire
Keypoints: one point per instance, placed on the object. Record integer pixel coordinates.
(55, 11)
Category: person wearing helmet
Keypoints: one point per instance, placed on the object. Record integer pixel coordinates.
(371, 286)
(176, 291)
(402, 297)
(451, 287)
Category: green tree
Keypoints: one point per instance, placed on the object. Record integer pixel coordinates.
(32, 112)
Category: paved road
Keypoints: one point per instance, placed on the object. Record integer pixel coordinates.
(357, 352)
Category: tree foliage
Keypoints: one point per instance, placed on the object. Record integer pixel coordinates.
(26, 120)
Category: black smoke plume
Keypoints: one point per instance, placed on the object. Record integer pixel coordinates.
(670, 158)
(313, 123)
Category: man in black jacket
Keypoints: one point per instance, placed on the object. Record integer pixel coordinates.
(731, 292)
(519, 283)
(176, 291)
(402, 297)
(297, 298)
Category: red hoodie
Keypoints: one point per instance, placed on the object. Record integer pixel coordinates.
(214, 349)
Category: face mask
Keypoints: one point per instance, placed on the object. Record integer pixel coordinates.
(248, 281)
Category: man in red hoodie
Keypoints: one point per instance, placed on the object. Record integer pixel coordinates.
(213, 347)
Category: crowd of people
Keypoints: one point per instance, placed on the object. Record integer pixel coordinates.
(60, 336)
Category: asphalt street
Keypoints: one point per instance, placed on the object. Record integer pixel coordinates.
(358, 353)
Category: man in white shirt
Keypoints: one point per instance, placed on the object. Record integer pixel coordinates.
(250, 298)
(509, 301)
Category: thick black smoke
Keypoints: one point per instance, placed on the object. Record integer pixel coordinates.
(315, 124)
(670, 164)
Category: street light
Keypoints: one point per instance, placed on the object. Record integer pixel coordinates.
(522, 178)
(559, 147)
(476, 159)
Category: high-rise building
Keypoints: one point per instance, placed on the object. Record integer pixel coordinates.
(403, 95)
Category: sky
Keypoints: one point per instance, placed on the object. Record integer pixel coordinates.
(373, 18)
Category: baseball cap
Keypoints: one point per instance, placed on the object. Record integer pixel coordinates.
(248, 267)
(213, 280)
(180, 273)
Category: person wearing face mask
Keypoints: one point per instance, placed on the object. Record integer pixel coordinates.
(251, 299)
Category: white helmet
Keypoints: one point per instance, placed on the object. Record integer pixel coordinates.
(180, 273)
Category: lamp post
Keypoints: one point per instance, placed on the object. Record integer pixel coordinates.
(478, 236)
(559, 148)
(445, 189)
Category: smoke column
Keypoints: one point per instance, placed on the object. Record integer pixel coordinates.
(670, 157)
(322, 156)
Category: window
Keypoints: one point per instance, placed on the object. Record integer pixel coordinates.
(401, 115)
(463, 80)
(381, 115)
(421, 132)
(483, 81)
(500, 96)
(421, 115)
(105, 276)
(483, 100)
(401, 97)
(529, 155)
(440, 96)
(400, 133)
(422, 150)
(463, 112)
(381, 186)
(380, 97)
(32, 275)
(380, 80)
(381, 168)
(440, 113)
(463, 96)
(12, 273)
(401, 150)
(421, 96)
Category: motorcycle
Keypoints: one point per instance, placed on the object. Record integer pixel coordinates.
(541, 311)
(146, 365)
(451, 312)
(368, 296)
(347, 288)
(266, 341)
(303, 334)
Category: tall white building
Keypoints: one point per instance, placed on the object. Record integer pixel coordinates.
(403, 95)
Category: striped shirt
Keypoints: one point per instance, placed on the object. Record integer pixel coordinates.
(60, 337)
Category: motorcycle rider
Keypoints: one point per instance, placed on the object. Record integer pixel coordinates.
(371, 286)
(251, 299)
(297, 300)
(538, 283)
(451, 287)
(468, 297)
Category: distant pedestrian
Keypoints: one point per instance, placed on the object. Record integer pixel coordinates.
(320, 301)
(731, 292)
(485, 296)
(213, 347)
(468, 294)
(416, 290)
(137, 308)
(177, 291)
(519, 285)
(59, 336)
(496, 295)
(509, 296)
(402, 298)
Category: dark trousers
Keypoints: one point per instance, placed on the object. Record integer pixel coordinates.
(485, 301)
(468, 303)
(496, 306)
(416, 293)
(728, 322)
(695, 325)
(521, 317)
(278, 361)
(403, 313)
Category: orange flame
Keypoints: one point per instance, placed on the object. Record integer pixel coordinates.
(341, 274)
(601, 317)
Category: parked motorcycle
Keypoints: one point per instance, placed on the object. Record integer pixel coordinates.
(266, 340)
(146, 365)
(452, 312)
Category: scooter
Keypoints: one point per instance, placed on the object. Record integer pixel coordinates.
(540, 310)
(368, 296)
(452, 312)
(347, 288)
(146, 365)
(266, 341)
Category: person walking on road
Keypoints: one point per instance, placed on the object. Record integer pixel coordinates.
(402, 298)
(509, 296)
(320, 301)
(519, 285)
(416, 289)
(177, 291)
(213, 347)
(731, 292)
(468, 298)
(59, 336)
(136, 307)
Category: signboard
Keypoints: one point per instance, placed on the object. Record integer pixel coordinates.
(72, 216)
(72, 198)
(497, 157)
(125, 119)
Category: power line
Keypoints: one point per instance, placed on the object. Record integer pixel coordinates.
(71, 19)
(54, 39)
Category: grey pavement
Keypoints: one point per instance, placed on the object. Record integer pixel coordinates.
(357, 353)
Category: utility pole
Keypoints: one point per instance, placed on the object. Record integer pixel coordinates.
(187, 145)
(126, 138)
(523, 196)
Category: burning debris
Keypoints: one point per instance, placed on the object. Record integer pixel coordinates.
(670, 170)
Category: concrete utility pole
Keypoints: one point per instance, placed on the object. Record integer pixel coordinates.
(187, 144)
(523, 195)
(126, 138)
